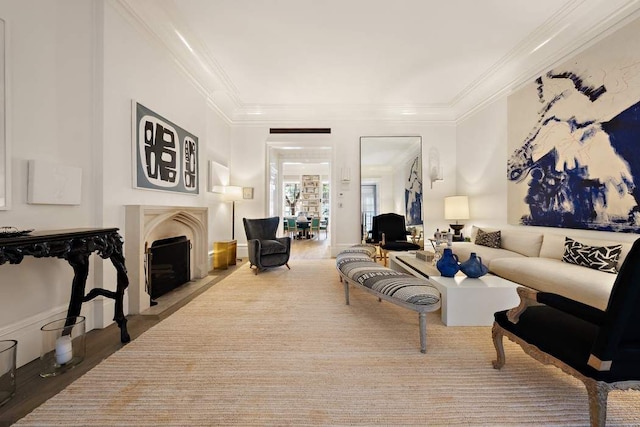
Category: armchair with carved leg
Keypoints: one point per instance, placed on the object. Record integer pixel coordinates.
(600, 348)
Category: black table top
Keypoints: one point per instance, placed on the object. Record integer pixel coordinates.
(38, 236)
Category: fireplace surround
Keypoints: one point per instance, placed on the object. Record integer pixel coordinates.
(145, 224)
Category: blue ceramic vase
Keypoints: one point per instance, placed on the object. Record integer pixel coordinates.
(473, 267)
(448, 265)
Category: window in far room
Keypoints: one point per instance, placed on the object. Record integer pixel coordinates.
(369, 205)
(291, 198)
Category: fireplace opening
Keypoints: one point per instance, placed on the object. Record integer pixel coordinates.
(169, 265)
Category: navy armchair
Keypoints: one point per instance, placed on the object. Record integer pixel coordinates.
(389, 231)
(265, 249)
(600, 348)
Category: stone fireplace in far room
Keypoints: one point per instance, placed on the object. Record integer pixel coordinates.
(146, 224)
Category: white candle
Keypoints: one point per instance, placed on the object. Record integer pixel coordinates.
(64, 350)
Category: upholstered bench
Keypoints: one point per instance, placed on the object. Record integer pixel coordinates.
(357, 267)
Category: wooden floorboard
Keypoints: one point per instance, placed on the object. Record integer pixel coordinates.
(33, 390)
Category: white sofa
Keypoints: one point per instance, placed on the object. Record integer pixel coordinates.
(534, 260)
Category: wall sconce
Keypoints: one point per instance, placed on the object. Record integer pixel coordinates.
(435, 170)
(345, 174)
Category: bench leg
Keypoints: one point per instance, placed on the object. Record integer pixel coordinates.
(346, 292)
(422, 318)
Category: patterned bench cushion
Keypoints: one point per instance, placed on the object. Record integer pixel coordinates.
(360, 268)
(399, 285)
(362, 249)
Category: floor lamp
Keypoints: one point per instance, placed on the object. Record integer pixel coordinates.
(233, 193)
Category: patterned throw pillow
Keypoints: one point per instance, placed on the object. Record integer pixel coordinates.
(491, 239)
(603, 258)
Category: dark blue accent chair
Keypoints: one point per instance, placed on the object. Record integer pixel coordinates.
(265, 249)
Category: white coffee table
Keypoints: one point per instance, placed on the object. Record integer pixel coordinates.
(464, 301)
(472, 302)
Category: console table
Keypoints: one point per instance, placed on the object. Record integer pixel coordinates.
(75, 246)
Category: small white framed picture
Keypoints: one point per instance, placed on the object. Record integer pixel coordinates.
(247, 192)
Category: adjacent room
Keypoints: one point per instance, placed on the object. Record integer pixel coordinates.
(355, 212)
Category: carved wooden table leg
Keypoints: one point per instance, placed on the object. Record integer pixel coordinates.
(122, 283)
(117, 259)
(79, 261)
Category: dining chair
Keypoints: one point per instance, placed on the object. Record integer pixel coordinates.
(292, 226)
(315, 225)
(324, 225)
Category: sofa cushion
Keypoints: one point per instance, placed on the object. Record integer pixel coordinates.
(522, 242)
(463, 251)
(591, 287)
(270, 247)
(490, 239)
(553, 246)
(603, 258)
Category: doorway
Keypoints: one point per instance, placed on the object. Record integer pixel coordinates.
(299, 184)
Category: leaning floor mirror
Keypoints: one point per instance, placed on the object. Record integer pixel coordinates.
(391, 179)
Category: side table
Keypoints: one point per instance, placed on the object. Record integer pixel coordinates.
(224, 254)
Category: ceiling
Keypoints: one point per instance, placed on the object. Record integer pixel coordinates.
(302, 60)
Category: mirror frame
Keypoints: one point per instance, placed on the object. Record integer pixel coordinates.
(415, 170)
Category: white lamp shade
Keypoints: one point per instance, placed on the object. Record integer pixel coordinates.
(456, 207)
(232, 192)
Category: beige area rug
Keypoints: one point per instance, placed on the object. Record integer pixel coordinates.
(282, 348)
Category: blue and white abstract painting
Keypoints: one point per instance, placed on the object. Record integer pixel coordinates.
(574, 141)
(413, 192)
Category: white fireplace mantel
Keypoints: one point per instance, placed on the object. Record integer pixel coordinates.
(143, 225)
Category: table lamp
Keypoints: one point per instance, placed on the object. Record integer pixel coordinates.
(456, 208)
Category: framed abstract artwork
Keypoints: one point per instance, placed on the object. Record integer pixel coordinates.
(573, 156)
(165, 155)
(413, 192)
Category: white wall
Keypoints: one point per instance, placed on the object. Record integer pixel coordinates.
(74, 66)
(50, 117)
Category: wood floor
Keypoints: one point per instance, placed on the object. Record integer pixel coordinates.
(32, 390)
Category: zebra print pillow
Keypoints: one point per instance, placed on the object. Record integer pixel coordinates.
(603, 258)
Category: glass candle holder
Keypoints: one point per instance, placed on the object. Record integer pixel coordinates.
(8, 350)
(63, 345)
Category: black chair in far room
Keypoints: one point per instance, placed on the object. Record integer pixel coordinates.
(389, 232)
(600, 348)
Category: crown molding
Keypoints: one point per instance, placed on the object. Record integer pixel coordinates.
(553, 43)
(575, 26)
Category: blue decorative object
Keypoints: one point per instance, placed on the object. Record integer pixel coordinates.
(448, 264)
(473, 267)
